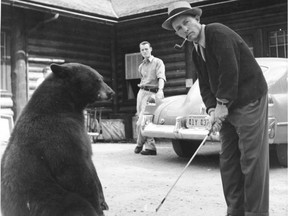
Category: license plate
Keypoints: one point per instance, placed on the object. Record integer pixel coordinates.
(197, 121)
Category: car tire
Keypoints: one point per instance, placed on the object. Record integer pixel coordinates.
(185, 148)
(281, 150)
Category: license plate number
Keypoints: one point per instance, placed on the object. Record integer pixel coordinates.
(197, 121)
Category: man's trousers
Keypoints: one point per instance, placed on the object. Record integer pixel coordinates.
(142, 99)
(244, 159)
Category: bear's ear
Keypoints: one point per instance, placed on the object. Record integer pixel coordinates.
(59, 70)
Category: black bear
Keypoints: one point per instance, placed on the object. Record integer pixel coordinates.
(46, 169)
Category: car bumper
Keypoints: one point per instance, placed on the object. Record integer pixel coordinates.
(176, 131)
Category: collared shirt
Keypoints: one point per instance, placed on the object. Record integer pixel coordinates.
(201, 43)
(151, 70)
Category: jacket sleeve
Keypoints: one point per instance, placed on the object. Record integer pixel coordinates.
(225, 47)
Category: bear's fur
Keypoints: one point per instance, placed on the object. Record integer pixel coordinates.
(46, 169)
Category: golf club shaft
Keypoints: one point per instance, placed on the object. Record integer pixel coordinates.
(202, 143)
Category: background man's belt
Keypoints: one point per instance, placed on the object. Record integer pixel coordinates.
(149, 89)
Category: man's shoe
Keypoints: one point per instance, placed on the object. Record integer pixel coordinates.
(149, 152)
(138, 149)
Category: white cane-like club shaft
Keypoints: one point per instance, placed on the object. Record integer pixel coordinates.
(191, 159)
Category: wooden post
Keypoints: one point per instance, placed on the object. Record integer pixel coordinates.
(18, 61)
(115, 104)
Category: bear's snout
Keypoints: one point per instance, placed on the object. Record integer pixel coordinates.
(111, 94)
(105, 93)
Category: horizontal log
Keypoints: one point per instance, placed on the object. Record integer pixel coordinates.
(94, 63)
(175, 91)
(6, 112)
(62, 52)
(84, 31)
(129, 109)
(6, 102)
(36, 68)
(83, 46)
(172, 57)
(175, 66)
(175, 74)
(175, 83)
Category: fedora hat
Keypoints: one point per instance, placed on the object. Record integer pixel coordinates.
(179, 8)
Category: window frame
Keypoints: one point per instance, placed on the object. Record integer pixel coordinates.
(133, 78)
(266, 39)
(5, 72)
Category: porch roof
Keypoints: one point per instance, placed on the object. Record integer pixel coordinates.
(112, 10)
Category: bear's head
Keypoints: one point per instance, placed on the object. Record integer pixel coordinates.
(84, 83)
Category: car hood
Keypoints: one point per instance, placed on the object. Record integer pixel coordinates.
(181, 105)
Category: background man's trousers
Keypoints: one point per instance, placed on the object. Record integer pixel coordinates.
(142, 98)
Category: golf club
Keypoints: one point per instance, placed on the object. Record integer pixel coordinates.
(202, 143)
(177, 46)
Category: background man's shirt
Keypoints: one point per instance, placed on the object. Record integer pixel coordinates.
(151, 70)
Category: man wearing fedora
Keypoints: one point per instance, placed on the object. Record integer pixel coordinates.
(234, 92)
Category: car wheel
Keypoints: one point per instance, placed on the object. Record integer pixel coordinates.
(185, 148)
(281, 150)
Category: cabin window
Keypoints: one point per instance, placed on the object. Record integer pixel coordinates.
(5, 72)
(278, 43)
(132, 76)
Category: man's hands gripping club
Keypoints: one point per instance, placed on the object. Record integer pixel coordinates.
(217, 116)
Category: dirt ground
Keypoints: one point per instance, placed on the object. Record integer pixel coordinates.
(136, 185)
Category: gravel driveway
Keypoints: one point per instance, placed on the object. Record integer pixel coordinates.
(136, 184)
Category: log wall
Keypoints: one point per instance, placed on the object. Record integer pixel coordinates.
(68, 40)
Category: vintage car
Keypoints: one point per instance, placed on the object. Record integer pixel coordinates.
(183, 118)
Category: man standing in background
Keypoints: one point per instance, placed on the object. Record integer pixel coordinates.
(152, 72)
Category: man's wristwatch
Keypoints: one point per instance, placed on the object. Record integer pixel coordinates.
(222, 103)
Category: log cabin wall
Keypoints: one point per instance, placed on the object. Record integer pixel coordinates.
(67, 40)
(103, 46)
(251, 21)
